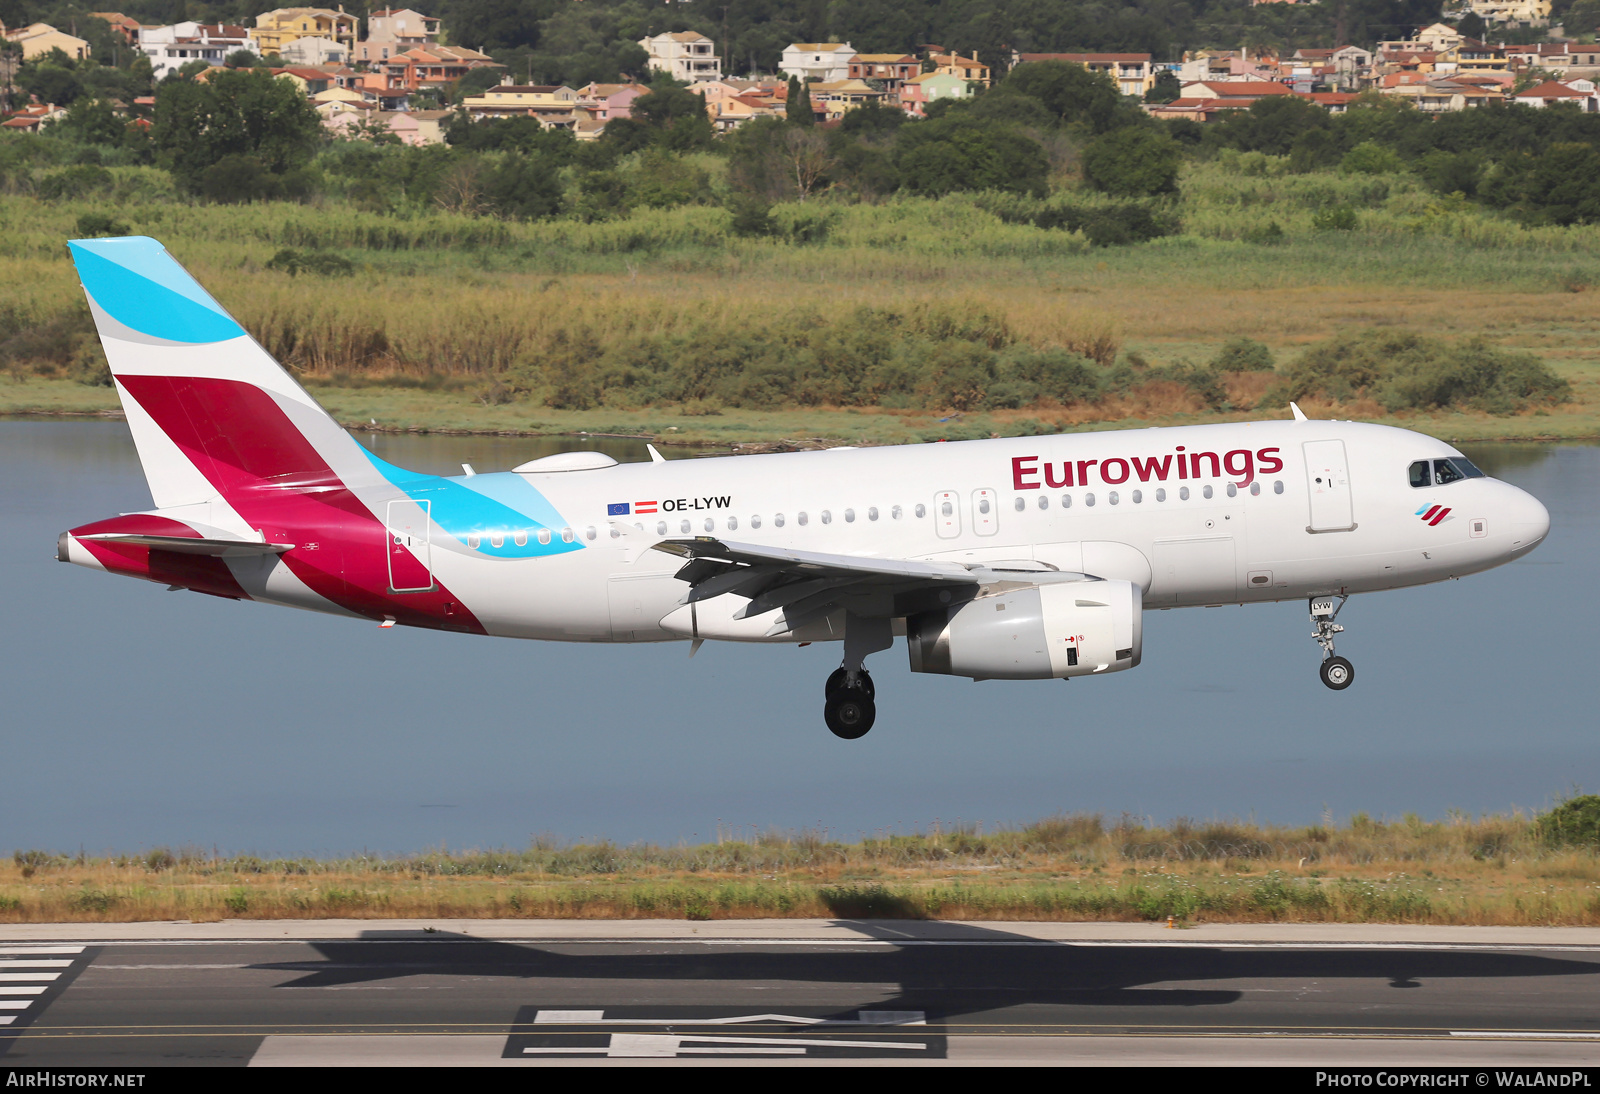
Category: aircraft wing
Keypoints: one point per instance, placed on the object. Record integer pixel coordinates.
(810, 584)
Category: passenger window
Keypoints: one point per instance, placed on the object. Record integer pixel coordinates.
(567, 535)
(947, 509)
(544, 535)
(896, 512)
(733, 524)
(1113, 497)
(872, 513)
(1255, 490)
(661, 527)
(827, 516)
(849, 516)
(472, 542)
(1066, 501)
(588, 533)
(1138, 496)
(1020, 504)
(803, 520)
(921, 511)
(1277, 486)
(983, 505)
(755, 521)
(1233, 491)
(778, 520)
(1419, 474)
(1205, 492)
(711, 525)
(1161, 494)
(683, 529)
(1088, 499)
(497, 539)
(1044, 502)
(1183, 493)
(520, 539)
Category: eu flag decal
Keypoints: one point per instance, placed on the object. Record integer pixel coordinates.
(617, 509)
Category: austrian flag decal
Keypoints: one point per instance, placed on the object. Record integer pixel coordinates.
(1433, 514)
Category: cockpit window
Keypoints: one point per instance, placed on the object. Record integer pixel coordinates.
(1421, 474)
(1450, 471)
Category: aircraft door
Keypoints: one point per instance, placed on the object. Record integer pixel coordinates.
(1328, 483)
(408, 544)
(985, 512)
(947, 514)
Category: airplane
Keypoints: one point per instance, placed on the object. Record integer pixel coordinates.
(1007, 559)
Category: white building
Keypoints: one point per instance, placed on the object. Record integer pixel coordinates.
(827, 62)
(684, 55)
(315, 51)
(170, 48)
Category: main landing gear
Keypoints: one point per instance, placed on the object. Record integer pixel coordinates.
(1336, 672)
(848, 708)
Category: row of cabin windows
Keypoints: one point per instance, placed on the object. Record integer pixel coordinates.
(947, 508)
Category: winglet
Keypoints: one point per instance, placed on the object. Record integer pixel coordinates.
(1299, 415)
(655, 457)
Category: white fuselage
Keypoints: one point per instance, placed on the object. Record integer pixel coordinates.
(1186, 541)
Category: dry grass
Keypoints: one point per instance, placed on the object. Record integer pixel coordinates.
(1489, 870)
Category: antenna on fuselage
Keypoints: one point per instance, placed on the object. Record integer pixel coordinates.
(655, 457)
(1299, 415)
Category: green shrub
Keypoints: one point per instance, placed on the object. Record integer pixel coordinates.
(1243, 355)
(1133, 162)
(1573, 823)
(1371, 158)
(293, 262)
(1404, 370)
(91, 225)
(75, 182)
(1334, 218)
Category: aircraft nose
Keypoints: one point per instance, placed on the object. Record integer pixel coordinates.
(1528, 520)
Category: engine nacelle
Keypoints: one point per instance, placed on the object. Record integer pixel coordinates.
(1058, 629)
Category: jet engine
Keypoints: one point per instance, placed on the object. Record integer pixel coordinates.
(1036, 632)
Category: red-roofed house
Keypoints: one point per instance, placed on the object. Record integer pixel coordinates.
(1579, 93)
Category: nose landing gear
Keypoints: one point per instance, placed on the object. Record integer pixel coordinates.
(1336, 672)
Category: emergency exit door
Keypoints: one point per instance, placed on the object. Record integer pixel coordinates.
(1328, 485)
(408, 545)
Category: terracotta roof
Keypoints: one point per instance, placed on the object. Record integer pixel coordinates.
(1550, 89)
(687, 36)
(817, 47)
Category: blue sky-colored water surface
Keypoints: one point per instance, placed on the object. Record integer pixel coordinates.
(134, 717)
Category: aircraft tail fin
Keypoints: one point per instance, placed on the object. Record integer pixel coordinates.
(211, 411)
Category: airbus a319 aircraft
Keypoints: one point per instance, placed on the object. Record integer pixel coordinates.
(1016, 559)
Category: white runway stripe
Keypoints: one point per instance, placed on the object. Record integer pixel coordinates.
(16, 1004)
(1520, 1035)
(29, 951)
(27, 977)
(21, 989)
(6, 1019)
(45, 964)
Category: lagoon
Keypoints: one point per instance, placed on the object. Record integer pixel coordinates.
(134, 718)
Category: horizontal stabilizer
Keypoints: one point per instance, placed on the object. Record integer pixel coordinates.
(216, 548)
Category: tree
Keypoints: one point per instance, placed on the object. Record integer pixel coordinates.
(797, 106)
(1073, 94)
(241, 58)
(1165, 89)
(677, 115)
(1582, 18)
(523, 188)
(954, 153)
(1472, 25)
(237, 112)
(1133, 162)
(807, 155)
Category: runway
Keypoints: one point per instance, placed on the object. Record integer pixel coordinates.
(531, 993)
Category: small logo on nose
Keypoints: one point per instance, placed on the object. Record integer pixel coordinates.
(1433, 515)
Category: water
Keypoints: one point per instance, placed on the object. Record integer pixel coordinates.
(134, 717)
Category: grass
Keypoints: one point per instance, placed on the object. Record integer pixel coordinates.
(449, 322)
(1490, 870)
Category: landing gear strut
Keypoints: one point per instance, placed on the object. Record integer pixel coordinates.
(848, 708)
(1336, 672)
